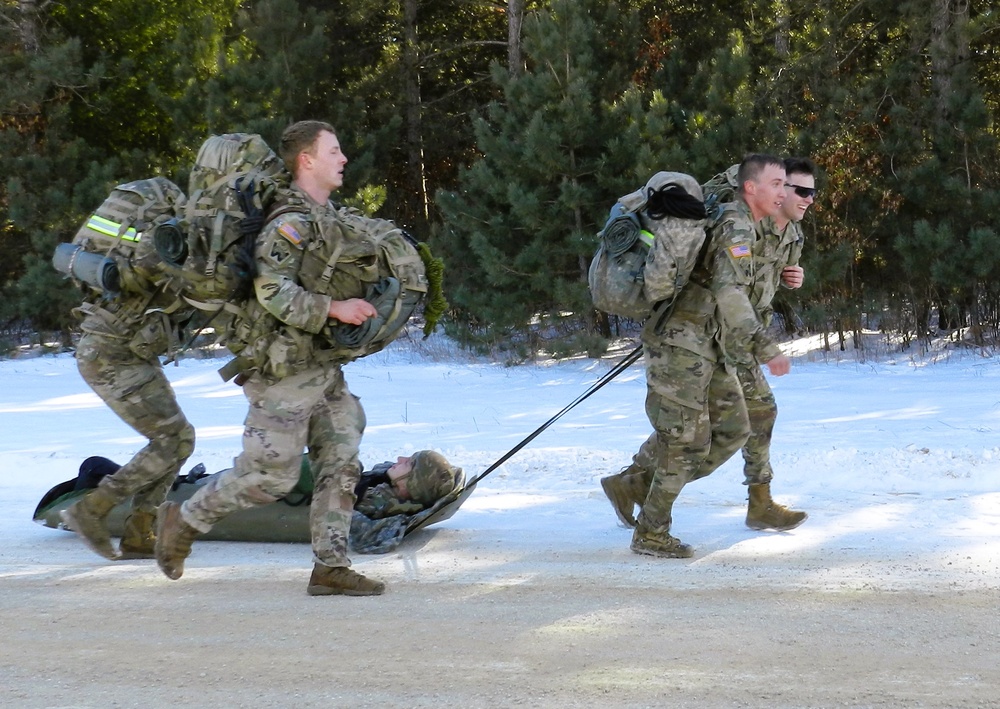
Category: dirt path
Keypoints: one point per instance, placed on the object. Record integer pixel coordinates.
(479, 620)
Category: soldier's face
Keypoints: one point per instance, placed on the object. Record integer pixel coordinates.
(768, 192)
(326, 161)
(399, 472)
(800, 193)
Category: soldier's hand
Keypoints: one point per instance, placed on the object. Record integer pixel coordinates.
(779, 366)
(793, 276)
(353, 312)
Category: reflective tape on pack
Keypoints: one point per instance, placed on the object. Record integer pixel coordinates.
(110, 228)
(646, 238)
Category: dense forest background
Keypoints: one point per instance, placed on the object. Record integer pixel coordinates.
(502, 131)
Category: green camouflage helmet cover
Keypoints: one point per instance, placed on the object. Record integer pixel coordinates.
(431, 477)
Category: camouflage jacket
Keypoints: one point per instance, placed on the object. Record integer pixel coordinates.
(714, 316)
(772, 251)
(149, 326)
(280, 251)
(276, 335)
(380, 516)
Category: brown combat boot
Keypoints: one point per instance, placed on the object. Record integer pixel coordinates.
(662, 545)
(337, 580)
(626, 490)
(138, 540)
(765, 513)
(652, 536)
(88, 517)
(174, 538)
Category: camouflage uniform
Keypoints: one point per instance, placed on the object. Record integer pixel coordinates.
(694, 400)
(118, 357)
(430, 478)
(378, 498)
(297, 393)
(772, 251)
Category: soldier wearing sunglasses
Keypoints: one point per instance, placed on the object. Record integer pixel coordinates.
(776, 256)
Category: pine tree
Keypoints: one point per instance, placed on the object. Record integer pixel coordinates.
(519, 232)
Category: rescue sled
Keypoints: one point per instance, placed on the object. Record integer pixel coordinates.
(286, 520)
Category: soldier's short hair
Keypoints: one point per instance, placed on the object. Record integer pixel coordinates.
(754, 164)
(298, 138)
(800, 166)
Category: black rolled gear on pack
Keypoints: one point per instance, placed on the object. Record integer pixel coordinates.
(673, 201)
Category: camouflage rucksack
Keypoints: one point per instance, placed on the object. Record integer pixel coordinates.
(664, 221)
(722, 188)
(377, 261)
(200, 249)
(208, 250)
(113, 251)
(359, 257)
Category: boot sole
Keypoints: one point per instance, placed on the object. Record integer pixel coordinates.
(71, 524)
(761, 527)
(133, 555)
(679, 554)
(327, 591)
(627, 522)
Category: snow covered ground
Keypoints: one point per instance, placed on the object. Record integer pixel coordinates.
(896, 461)
(891, 460)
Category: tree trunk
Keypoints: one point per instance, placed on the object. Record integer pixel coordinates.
(515, 14)
(28, 25)
(949, 49)
(415, 169)
(782, 43)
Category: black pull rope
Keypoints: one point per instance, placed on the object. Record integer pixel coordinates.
(611, 374)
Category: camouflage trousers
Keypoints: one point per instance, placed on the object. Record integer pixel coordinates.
(763, 412)
(136, 389)
(313, 409)
(699, 421)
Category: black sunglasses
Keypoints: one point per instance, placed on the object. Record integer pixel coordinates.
(803, 192)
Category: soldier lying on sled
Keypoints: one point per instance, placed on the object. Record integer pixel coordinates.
(392, 499)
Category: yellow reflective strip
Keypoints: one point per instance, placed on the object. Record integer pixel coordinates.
(110, 228)
(647, 237)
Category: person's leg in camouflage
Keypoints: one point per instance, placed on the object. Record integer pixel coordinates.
(762, 511)
(335, 433)
(138, 391)
(728, 420)
(728, 424)
(274, 436)
(677, 386)
(282, 418)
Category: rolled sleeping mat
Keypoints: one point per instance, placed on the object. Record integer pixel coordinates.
(383, 295)
(97, 271)
(621, 231)
(170, 242)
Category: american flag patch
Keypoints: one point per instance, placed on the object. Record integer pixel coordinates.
(289, 232)
(739, 251)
